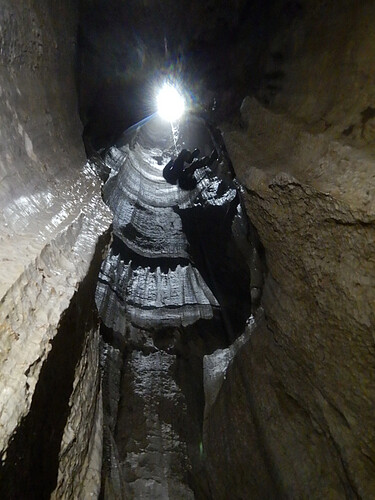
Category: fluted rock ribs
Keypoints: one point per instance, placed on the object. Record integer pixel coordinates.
(148, 277)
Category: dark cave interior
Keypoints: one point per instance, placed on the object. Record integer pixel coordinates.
(126, 49)
(233, 352)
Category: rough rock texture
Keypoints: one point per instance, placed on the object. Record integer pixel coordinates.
(155, 460)
(80, 457)
(319, 67)
(51, 219)
(149, 277)
(160, 414)
(236, 458)
(289, 408)
(300, 393)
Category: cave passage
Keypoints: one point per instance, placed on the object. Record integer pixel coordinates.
(173, 288)
(235, 353)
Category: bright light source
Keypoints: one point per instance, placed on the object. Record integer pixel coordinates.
(171, 105)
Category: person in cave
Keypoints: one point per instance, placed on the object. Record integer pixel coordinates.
(182, 169)
(174, 168)
(186, 179)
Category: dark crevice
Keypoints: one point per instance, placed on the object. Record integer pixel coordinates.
(367, 114)
(215, 254)
(348, 130)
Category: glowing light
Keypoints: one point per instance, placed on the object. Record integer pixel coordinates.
(171, 104)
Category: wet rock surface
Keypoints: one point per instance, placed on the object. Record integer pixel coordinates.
(289, 405)
(51, 222)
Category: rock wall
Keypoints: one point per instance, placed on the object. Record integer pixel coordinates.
(299, 394)
(51, 220)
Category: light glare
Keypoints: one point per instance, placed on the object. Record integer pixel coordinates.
(170, 102)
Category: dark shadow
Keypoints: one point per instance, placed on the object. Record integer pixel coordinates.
(176, 171)
(367, 114)
(209, 233)
(112, 112)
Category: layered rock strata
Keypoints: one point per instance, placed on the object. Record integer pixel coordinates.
(149, 277)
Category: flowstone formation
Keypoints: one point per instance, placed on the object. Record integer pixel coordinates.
(149, 278)
(157, 289)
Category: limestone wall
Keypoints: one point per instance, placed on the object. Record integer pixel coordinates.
(51, 217)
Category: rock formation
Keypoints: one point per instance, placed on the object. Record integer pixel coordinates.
(148, 278)
(203, 381)
(150, 289)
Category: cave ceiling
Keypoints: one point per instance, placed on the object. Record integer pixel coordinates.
(126, 48)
